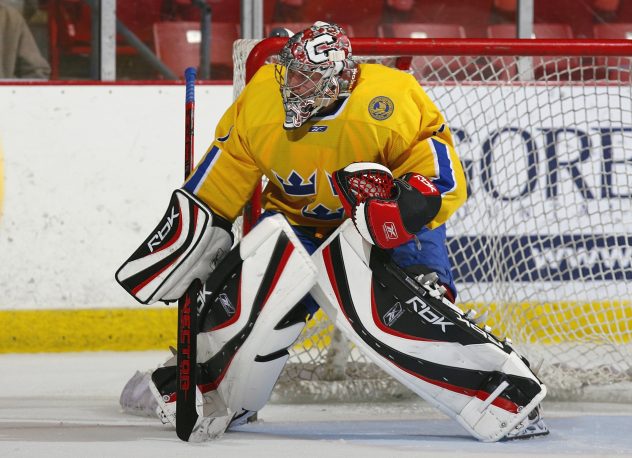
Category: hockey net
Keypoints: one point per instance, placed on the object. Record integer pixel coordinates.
(543, 246)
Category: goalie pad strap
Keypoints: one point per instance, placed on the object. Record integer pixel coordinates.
(187, 244)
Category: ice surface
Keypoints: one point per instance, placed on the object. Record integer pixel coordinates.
(66, 405)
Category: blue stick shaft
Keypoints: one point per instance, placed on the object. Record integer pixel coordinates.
(189, 77)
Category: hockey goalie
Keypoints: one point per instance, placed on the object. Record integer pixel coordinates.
(362, 178)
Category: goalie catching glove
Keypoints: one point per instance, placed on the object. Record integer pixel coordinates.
(187, 244)
(387, 212)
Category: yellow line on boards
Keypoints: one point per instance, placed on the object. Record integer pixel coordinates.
(128, 329)
(33, 331)
(597, 322)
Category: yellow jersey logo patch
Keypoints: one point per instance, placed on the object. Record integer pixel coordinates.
(381, 108)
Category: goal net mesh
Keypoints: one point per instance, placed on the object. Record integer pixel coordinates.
(542, 248)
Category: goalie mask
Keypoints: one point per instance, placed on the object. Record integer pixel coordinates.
(315, 70)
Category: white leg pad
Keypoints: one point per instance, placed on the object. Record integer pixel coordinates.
(465, 372)
(276, 274)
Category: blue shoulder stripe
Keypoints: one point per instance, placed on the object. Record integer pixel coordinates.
(445, 182)
(195, 181)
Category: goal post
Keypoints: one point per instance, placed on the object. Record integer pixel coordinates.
(543, 245)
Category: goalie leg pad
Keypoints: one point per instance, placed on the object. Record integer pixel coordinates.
(424, 342)
(187, 244)
(250, 314)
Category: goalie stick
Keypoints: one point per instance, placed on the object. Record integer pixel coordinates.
(186, 412)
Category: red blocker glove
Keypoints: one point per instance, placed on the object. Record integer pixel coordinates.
(386, 211)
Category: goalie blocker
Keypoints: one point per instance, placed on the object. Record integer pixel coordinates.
(186, 245)
(423, 341)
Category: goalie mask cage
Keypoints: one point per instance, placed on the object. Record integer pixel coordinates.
(542, 248)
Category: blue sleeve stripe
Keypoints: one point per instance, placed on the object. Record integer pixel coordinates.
(194, 183)
(444, 180)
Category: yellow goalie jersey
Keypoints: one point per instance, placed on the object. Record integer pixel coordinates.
(388, 119)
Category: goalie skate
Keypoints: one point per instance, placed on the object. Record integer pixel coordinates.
(210, 428)
(535, 426)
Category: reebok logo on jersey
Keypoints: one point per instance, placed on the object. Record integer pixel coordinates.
(318, 128)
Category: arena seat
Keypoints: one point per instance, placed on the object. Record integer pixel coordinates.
(623, 13)
(544, 68)
(221, 10)
(473, 15)
(69, 27)
(616, 31)
(539, 31)
(177, 44)
(579, 14)
(363, 15)
(298, 26)
(614, 68)
(430, 67)
(421, 30)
